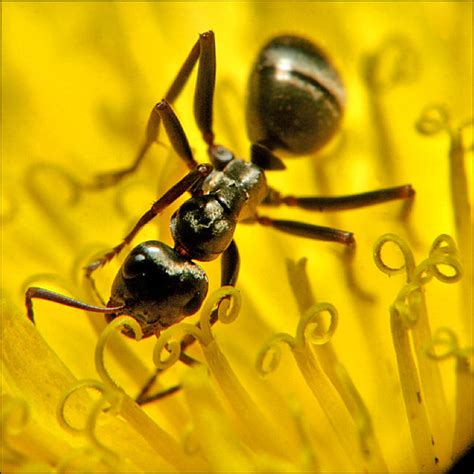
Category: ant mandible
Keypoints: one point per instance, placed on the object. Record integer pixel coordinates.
(295, 105)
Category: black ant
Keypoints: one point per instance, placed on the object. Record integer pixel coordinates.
(295, 105)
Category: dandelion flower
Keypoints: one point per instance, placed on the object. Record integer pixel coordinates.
(322, 362)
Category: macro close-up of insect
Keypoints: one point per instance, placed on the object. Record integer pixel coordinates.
(236, 237)
(295, 105)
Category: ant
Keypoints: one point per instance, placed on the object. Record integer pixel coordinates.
(295, 105)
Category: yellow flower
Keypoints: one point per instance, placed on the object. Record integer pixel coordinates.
(364, 384)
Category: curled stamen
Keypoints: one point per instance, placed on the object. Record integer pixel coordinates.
(100, 387)
(108, 396)
(444, 243)
(228, 302)
(112, 327)
(226, 311)
(395, 62)
(432, 267)
(443, 345)
(409, 260)
(433, 119)
(311, 328)
(442, 254)
(446, 251)
(38, 190)
(269, 356)
(165, 344)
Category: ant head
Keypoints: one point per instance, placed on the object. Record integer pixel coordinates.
(202, 228)
(158, 287)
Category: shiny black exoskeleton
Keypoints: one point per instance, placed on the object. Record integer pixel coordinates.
(295, 105)
(295, 97)
(159, 285)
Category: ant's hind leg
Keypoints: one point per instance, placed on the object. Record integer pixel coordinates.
(194, 176)
(332, 203)
(204, 52)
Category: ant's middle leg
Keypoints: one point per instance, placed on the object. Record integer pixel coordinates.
(310, 231)
(204, 52)
(340, 203)
(322, 203)
(230, 265)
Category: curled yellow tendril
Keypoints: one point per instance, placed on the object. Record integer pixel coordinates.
(443, 254)
(115, 325)
(269, 356)
(108, 397)
(394, 62)
(409, 261)
(39, 191)
(435, 118)
(167, 344)
(310, 330)
(445, 344)
(227, 300)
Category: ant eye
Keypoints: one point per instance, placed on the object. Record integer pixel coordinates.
(134, 266)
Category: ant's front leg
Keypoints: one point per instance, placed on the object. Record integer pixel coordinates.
(230, 265)
(42, 294)
(158, 206)
(204, 52)
(180, 144)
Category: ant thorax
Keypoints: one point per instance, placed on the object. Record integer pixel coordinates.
(241, 186)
